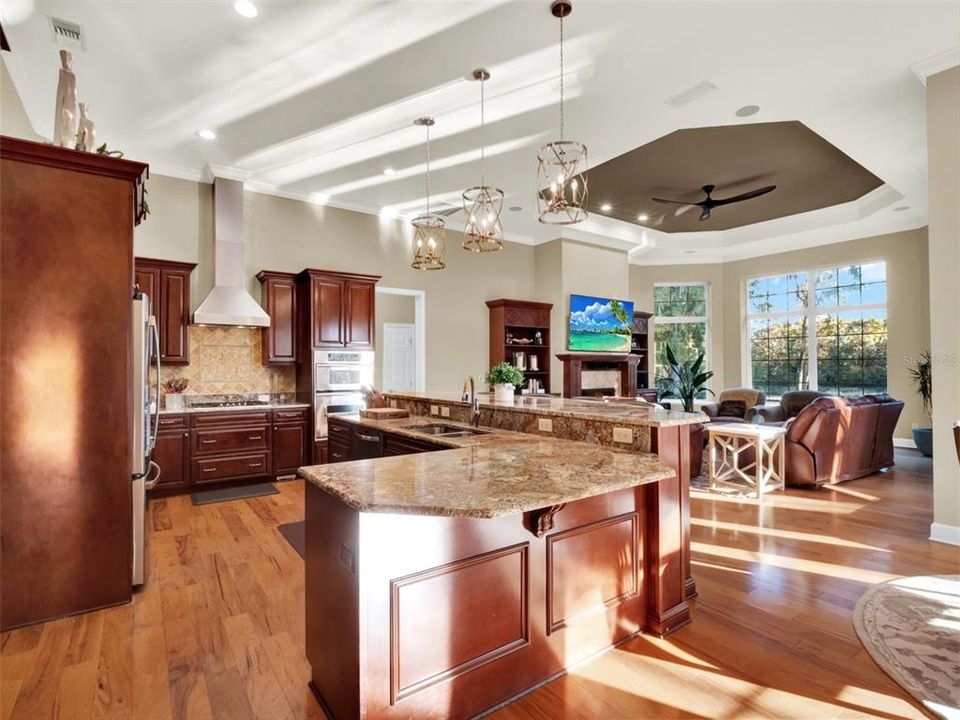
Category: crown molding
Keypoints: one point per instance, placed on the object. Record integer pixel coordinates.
(936, 63)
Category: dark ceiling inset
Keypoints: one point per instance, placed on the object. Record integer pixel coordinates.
(808, 171)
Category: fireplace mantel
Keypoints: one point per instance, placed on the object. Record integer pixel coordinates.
(575, 363)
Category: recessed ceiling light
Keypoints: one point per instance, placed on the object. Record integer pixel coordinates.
(515, 208)
(748, 110)
(643, 217)
(606, 207)
(207, 134)
(689, 252)
(901, 208)
(245, 8)
(389, 171)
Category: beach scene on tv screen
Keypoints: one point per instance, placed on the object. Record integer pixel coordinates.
(599, 324)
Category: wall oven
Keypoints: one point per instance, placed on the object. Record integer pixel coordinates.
(334, 403)
(342, 370)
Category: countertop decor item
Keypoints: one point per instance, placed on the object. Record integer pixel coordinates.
(65, 119)
(482, 203)
(429, 234)
(86, 131)
(920, 372)
(562, 164)
(504, 378)
(173, 393)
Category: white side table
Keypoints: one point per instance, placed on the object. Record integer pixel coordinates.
(727, 443)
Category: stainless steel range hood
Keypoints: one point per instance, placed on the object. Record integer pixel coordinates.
(229, 303)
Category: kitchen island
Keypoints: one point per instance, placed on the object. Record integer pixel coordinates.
(442, 584)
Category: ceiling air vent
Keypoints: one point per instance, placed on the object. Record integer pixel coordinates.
(66, 34)
(691, 94)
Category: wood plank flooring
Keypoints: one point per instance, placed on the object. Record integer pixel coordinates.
(218, 631)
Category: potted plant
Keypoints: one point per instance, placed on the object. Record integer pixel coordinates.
(173, 393)
(503, 378)
(922, 376)
(686, 379)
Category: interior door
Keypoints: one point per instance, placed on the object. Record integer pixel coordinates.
(398, 357)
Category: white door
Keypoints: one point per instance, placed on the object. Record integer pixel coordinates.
(398, 357)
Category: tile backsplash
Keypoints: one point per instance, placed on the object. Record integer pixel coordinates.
(227, 360)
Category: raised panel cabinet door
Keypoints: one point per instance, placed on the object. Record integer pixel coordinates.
(280, 297)
(327, 301)
(172, 454)
(289, 448)
(147, 281)
(360, 314)
(174, 317)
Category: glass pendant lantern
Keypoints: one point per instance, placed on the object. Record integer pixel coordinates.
(562, 164)
(482, 203)
(429, 234)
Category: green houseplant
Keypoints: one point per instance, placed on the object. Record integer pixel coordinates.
(685, 380)
(920, 371)
(503, 378)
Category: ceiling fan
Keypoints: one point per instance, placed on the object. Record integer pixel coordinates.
(707, 204)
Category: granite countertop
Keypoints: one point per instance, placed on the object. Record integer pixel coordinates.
(236, 408)
(482, 476)
(622, 411)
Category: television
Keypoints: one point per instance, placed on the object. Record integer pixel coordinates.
(599, 324)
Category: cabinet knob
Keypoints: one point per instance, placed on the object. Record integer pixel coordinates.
(186, 434)
(255, 437)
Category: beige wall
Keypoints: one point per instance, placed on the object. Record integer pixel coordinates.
(943, 164)
(908, 307)
(289, 235)
(13, 118)
(390, 308)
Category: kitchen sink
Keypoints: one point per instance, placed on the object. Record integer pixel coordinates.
(442, 430)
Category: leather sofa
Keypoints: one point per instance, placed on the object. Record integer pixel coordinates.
(791, 403)
(752, 400)
(837, 439)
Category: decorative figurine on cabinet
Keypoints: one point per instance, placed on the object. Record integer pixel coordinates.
(65, 120)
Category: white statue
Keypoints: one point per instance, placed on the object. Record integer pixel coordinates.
(65, 120)
(86, 132)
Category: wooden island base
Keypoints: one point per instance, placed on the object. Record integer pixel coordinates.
(447, 617)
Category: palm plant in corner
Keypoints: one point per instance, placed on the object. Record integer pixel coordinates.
(922, 376)
(685, 380)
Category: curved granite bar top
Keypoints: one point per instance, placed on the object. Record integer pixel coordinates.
(483, 476)
(622, 410)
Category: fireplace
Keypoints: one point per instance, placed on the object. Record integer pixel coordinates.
(599, 374)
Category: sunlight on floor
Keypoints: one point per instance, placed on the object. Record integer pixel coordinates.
(786, 534)
(790, 502)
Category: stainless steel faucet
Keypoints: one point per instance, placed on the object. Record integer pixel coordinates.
(472, 398)
(475, 412)
(468, 396)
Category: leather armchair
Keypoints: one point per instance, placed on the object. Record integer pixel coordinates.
(752, 398)
(790, 405)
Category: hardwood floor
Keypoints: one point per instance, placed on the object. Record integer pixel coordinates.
(218, 630)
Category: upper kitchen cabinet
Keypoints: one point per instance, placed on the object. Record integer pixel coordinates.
(167, 283)
(337, 309)
(279, 299)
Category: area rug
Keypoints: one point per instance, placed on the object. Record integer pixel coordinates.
(701, 483)
(911, 628)
(293, 533)
(206, 497)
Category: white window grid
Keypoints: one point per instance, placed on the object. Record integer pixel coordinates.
(683, 319)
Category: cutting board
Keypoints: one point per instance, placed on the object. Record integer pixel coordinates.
(384, 413)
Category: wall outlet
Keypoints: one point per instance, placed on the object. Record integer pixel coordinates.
(393, 403)
(544, 424)
(623, 435)
(445, 411)
(434, 410)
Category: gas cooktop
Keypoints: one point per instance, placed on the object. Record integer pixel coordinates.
(230, 403)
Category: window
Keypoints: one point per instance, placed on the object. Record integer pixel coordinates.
(680, 319)
(824, 330)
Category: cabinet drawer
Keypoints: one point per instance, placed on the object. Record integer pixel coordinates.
(337, 453)
(216, 440)
(294, 415)
(233, 466)
(338, 429)
(171, 422)
(228, 418)
(397, 445)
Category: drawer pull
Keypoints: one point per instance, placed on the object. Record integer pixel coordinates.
(368, 438)
(169, 422)
(208, 442)
(254, 464)
(213, 469)
(289, 414)
(255, 437)
(336, 429)
(337, 455)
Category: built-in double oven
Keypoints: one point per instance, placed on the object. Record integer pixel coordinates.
(339, 376)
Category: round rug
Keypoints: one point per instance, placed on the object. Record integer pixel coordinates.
(911, 628)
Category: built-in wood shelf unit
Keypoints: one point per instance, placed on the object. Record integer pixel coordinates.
(640, 345)
(512, 320)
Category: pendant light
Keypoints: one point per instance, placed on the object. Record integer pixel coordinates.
(482, 203)
(429, 238)
(562, 164)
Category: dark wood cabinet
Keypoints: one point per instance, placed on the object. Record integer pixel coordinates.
(336, 310)
(338, 440)
(320, 452)
(291, 441)
(522, 326)
(359, 320)
(279, 297)
(167, 283)
(640, 335)
(348, 441)
(172, 452)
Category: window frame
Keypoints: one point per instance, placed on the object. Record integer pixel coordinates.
(810, 312)
(681, 320)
